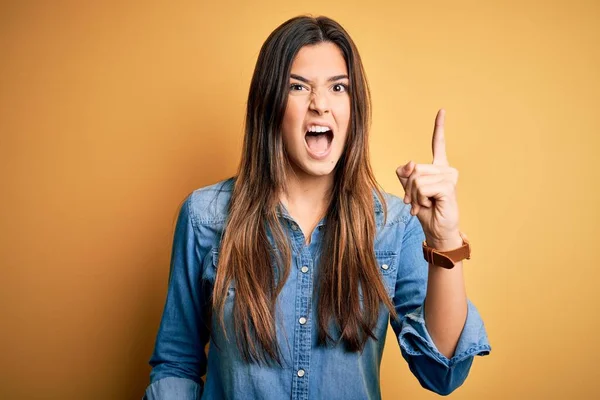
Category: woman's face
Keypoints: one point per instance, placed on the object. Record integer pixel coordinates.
(317, 115)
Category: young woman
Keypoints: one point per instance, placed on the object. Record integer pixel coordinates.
(292, 268)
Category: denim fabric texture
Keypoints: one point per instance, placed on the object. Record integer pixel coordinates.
(309, 371)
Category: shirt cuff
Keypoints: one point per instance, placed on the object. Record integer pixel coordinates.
(173, 388)
(414, 338)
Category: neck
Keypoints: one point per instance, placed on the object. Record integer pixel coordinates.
(307, 194)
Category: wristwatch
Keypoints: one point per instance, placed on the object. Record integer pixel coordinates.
(447, 259)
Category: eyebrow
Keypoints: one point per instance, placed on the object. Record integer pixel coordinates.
(331, 79)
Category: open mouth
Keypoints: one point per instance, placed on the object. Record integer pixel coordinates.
(319, 140)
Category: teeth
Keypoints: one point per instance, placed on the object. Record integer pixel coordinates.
(318, 129)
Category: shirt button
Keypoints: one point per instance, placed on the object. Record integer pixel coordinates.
(300, 373)
(302, 320)
(294, 227)
(385, 266)
(304, 269)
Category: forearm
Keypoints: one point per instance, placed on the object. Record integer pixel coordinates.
(446, 302)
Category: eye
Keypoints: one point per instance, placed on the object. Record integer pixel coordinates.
(296, 87)
(340, 87)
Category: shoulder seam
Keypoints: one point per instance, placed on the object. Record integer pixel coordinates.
(209, 203)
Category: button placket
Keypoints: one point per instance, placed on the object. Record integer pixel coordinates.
(303, 330)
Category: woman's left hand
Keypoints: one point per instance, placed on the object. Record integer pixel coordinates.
(431, 189)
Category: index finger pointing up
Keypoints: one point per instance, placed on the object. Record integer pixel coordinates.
(438, 143)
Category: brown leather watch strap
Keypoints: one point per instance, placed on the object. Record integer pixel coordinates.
(447, 259)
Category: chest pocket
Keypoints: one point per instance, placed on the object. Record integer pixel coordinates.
(387, 263)
(215, 263)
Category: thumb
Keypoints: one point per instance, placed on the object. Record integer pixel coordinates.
(404, 172)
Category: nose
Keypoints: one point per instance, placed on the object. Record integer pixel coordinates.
(319, 103)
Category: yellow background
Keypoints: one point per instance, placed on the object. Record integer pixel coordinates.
(111, 114)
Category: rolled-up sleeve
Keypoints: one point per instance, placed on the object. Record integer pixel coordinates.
(172, 388)
(434, 371)
(179, 361)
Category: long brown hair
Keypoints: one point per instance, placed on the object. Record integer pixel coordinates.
(347, 259)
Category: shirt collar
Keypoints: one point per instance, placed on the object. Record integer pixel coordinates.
(282, 212)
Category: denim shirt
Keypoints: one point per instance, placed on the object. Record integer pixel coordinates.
(309, 371)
